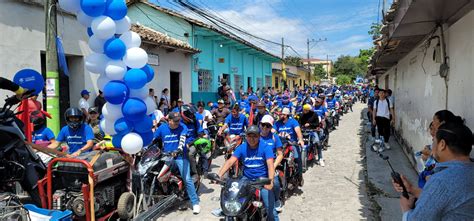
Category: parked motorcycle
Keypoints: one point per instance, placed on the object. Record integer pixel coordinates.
(18, 161)
(240, 198)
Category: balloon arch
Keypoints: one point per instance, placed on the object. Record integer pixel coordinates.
(122, 68)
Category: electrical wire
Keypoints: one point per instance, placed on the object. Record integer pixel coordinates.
(156, 23)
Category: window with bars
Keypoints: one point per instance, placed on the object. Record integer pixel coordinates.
(205, 80)
(268, 81)
(259, 83)
(237, 82)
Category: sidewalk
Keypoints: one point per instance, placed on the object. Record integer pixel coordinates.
(379, 178)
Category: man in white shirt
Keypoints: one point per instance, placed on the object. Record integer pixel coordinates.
(383, 109)
(83, 104)
(206, 114)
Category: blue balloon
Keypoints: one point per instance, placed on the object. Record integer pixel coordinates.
(116, 92)
(117, 140)
(29, 79)
(116, 9)
(143, 125)
(134, 109)
(114, 48)
(89, 31)
(93, 8)
(123, 126)
(147, 137)
(149, 71)
(135, 78)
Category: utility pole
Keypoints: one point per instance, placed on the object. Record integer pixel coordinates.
(52, 69)
(283, 71)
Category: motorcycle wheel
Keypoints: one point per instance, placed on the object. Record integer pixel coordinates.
(304, 160)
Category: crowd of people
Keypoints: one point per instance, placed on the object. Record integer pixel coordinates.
(444, 190)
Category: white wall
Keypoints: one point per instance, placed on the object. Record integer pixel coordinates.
(22, 40)
(420, 93)
(171, 61)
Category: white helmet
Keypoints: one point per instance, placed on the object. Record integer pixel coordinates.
(338, 93)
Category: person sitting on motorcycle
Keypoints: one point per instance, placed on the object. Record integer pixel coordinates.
(173, 136)
(261, 112)
(310, 120)
(288, 125)
(268, 102)
(41, 133)
(285, 102)
(332, 102)
(78, 135)
(94, 121)
(220, 113)
(251, 107)
(258, 161)
(272, 139)
(236, 122)
(243, 102)
(194, 131)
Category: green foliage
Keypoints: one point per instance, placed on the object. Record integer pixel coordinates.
(294, 61)
(375, 29)
(319, 71)
(343, 80)
(347, 65)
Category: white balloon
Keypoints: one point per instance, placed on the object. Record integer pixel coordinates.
(70, 6)
(96, 44)
(108, 126)
(84, 19)
(135, 58)
(103, 27)
(131, 39)
(102, 81)
(132, 143)
(122, 25)
(141, 93)
(96, 63)
(150, 105)
(112, 112)
(115, 69)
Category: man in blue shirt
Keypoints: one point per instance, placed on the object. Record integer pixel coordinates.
(179, 103)
(236, 122)
(288, 126)
(258, 161)
(173, 136)
(192, 122)
(243, 102)
(78, 136)
(41, 133)
(449, 193)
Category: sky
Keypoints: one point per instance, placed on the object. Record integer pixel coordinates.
(343, 23)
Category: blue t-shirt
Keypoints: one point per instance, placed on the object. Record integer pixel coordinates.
(76, 139)
(331, 103)
(236, 125)
(321, 110)
(254, 160)
(43, 134)
(170, 137)
(288, 105)
(243, 104)
(194, 129)
(273, 141)
(288, 127)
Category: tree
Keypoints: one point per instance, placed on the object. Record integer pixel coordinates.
(347, 65)
(319, 71)
(375, 30)
(343, 79)
(292, 60)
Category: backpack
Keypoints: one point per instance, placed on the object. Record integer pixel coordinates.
(377, 105)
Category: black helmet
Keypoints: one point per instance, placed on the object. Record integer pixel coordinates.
(74, 112)
(38, 120)
(187, 113)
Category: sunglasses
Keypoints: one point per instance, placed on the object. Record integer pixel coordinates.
(267, 125)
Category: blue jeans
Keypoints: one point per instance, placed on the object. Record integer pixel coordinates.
(184, 170)
(299, 162)
(276, 187)
(268, 199)
(315, 141)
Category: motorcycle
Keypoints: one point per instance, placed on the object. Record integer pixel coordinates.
(332, 119)
(231, 142)
(287, 171)
(310, 152)
(156, 177)
(240, 198)
(18, 161)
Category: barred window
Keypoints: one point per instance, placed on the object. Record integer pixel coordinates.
(237, 82)
(205, 80)
(259, 83)
(268, 81)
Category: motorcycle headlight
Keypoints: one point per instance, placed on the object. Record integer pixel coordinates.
(232, 206)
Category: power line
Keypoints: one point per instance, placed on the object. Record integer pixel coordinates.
(178, 35)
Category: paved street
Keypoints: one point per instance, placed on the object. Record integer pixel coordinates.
(334, 192)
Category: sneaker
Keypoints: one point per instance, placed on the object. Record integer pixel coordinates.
(321, 163)
(378, 141)
(387, 146)
(380, 150)
(196, 209)
(278, 206)
(217, 212)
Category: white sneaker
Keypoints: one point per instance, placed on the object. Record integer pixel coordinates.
(387, 146)
(378, 140)
(321, 163)
(278, 207)
(196, 209)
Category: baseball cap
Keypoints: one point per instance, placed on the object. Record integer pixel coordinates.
(85, 92)
(260, 104)
(93, 110)
(253, 130)
(267, 119)
(220, 101)
(285, 111)
(180, 100)
(174, 116)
